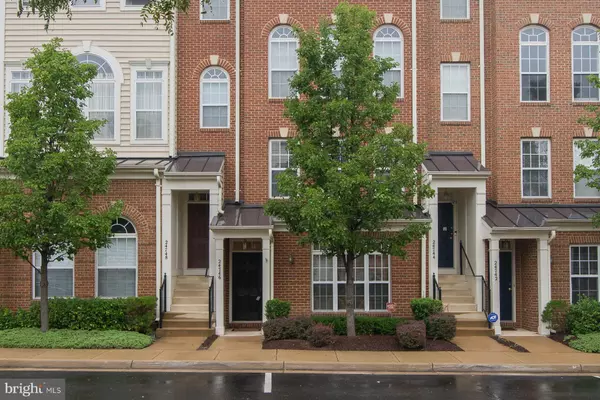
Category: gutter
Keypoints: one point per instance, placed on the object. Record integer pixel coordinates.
(173, 90)
(482, 78)
(414, 68)
(237, 101)
(158, 228)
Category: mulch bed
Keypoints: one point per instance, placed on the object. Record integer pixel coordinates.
(510, 343)
(359, 343)
(208, 342)
(562, 338)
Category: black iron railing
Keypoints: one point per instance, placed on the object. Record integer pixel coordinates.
(437, 290)
(211, 301)
(162, 301)
(485, 287)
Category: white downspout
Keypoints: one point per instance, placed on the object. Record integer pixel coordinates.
(272, 266)
(237, 100)
(482, 78)
(173, 90)
(414, 69)
(2, 113)
(158, 238)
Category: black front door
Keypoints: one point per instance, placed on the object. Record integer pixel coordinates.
(246, 287)
(506, 280)
(446, 235)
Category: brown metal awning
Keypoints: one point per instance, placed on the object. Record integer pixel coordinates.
(197, 163)
(460, 163)
(537, 215)
(143, 163)
(242, 216)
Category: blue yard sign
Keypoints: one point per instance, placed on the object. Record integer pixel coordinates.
(492, 317)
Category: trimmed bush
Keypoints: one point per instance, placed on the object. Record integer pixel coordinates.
(411, 335)
(320, 335)
(123, 314)
(589, 343)
(584, 317)
(555, 315)
(424, 307)
(287, 328)
(276, 308)
(441, 326)
(365, 325)
(70, 339)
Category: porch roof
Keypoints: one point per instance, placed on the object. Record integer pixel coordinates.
(203, 163)
(242, 216)
(449, 162)
(537, 215)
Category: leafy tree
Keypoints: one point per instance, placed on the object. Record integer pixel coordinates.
(590, 149)
(52, 170)
(348, 178)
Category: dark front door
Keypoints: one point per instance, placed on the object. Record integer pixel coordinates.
(506, 281)
(246, 287)
(446, 235)
(198, 235)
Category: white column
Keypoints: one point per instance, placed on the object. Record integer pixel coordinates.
(543, 282)
(213, 211)
(433, 240)
(219, 278)
(494, 252)
(266, 274)
(478, 243)
(167, 243)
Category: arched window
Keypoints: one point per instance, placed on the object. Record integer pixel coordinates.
(388, 44)
(586, 54)
(102, 104)
(117, 263)
(214, 99)
(283, 61)
(534, 64)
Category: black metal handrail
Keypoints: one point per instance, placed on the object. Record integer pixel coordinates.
(437, 290)
(162, 301)
(485, 287)
(211, 301)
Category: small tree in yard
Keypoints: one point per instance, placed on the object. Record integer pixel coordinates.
(52, 170)
(348, 178)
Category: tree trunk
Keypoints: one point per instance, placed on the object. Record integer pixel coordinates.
(350, 322)
(44, 293)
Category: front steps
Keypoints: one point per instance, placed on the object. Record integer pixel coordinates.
(189, 310)
(459, 301)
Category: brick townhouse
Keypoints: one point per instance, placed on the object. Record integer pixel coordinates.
(494, 88)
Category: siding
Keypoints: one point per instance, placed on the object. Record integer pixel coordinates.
(116, 31)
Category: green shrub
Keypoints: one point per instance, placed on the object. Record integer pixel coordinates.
(411, 335)
(320, 335)
(123, 314)
(70, 339)
(276, 308)
(589, 343)
(7, 319)
(555, 315)
(424, 307)
(287, 328)
(365, 325)
(441, 326)
(584, 317)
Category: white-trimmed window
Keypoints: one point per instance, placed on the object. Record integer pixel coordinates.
(456, 92)
(117, 263)
(586, 60)
(371, 282)
(60, 277)
(88, 4)
(454, 9)
(535, 167)
(102, 104)
(279, 161)
(283, 61)
(216, 10)
(581, 189)
(17, 80)
(388, 43)
(584, 272)
(214, 99)
(534, 64)
(149, 104)
(133, 4)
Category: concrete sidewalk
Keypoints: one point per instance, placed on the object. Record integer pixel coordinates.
(481, 354)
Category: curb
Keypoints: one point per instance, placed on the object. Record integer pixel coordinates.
(65, 364)
(211, 365)
(358, 367)
(506, 368)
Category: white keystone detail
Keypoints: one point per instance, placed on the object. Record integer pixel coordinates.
(536, 131)
(455, 56)
(387, 18)
(283, 132)
(587, 18)
(283, 18)
(214, 60)
(588, 132)
(534, 18)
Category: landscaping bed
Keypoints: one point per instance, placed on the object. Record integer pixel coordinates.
(510, 344)
(587, 343)
(208, 342)
(72, 339)
(359, 343)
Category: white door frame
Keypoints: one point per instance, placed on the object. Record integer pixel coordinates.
(455, 243)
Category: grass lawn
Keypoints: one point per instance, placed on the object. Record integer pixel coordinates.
(72, 339)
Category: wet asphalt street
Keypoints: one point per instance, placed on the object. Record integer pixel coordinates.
(246, 386)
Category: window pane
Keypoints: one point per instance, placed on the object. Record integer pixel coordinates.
(148, 124)
(215, 117)
(584, 287)
(280, 86)
(454, 9)
(136, 2)
(378, 296)
(583, 89)
(86, 3)
(149, 108)
(116, 282)
(217, 9)
(359, 296)
(455, 107)
(534, 87)
(121, 253)
(323, 297)
(106, 132)
(102, 106)
(60, 283)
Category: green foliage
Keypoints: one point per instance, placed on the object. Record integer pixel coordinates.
(320, 335)
(365, 325)
(287, 328)
(69, 339)
(441, 326)
(584, 317)
(589, 343)
(411, 335)
(555, 315)
(276, 308)
(424, 307)
(124, 314)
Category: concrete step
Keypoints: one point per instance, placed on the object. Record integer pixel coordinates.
(201, 301)
(455, 292)
(458, 299)
(196, 286)
(184, 332)
(193, 278)
(191, 293)
(187, 315)
(185, 323)
(474, 331)
(471, 323)
(451, 278)
(460, 307)
(454, 285)
(190, 308)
